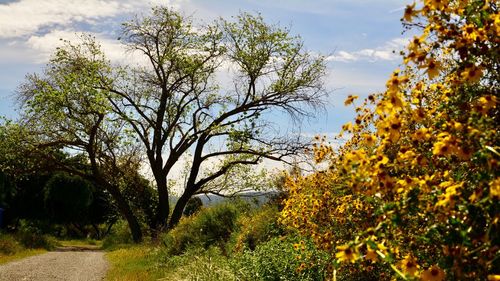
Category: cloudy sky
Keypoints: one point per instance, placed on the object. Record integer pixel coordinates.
(358, 35)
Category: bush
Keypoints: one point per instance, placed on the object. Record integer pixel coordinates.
(281, 259)
(31, 237)
(257, 227)
(193, 206)
(418, 182)
(119, 235)
(211, 226)
(67, 198)
(200, 264)
(9, 245)
(36, 241)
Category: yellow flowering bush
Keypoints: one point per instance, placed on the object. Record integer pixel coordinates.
(416, 187)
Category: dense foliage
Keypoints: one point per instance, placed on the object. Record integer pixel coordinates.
(172, 109)
(417, 185)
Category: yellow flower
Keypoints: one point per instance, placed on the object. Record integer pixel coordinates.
(395, 99)
(396, 81)
(471, 32)
(436, 4)
(485, 103)
(347, 253)
(410, 12)
(495, 188)
(422, 134)
(444, 145)
(496, 22)
(418, 114)
(301, 268)
(472, 74)
(350, 99)
(347, 127)
(369, 139)
(493, 277)
(391, 128)
(415, 45)
(371, 255)
(409, 265)
(433, 68)
(434, 273)
(447, 198)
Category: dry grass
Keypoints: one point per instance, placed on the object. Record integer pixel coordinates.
(20, 255)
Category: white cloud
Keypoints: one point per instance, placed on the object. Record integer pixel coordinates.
(387, 52)
(25, 17)
(44, 45)
(30, 30)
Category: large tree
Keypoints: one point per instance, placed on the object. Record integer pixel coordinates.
(64, 108)
(174, 105)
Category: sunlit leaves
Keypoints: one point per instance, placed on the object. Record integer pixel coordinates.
(422, 162)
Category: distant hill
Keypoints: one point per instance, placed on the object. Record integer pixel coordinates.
(257, 197)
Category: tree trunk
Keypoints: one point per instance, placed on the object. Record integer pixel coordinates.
(108, 229)
(163, 204)
(179, 208)
(97, 231)
(190, 184)
(126, 211)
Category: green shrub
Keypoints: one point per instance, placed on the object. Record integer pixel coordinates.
(277, 259)
(67, 198)
(211, 226)
(9, 245)
(119, 236)
(257, 227)
(36, 241)
(193, 206)
(31, 236)
(199, 264)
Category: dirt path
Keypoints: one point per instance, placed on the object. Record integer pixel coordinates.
(68, 263)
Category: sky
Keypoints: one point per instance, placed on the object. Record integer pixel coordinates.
(358, 36)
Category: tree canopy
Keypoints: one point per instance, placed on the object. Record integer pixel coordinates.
(172, 105)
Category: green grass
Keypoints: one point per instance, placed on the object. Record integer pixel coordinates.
(146, 262)
(200, 264)
(20, 255)
(218, 243)
(134, 263)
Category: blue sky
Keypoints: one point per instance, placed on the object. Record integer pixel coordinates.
(358, 35)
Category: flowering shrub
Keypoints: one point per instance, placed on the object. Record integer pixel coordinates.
(416, 188)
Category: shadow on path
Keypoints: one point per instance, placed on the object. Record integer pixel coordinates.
(79, 248)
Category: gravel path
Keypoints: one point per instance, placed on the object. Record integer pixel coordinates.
(65, 264)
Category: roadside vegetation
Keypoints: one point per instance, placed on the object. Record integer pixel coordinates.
(23, 244)
(412, 195)
(233, 240)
